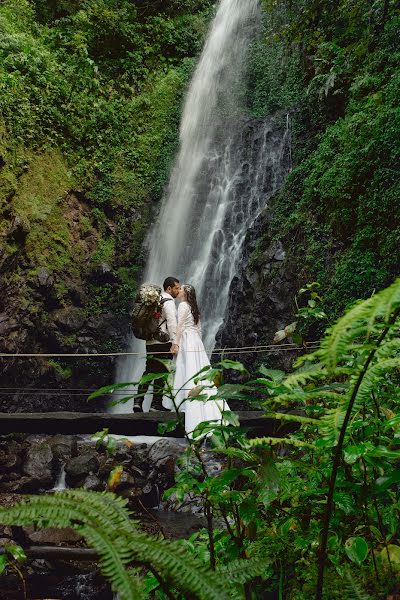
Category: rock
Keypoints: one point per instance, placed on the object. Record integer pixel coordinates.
(81, 466)
(7, 324)
(93, 483)
(19, 229)
(24, 485)
(53, 535)
(70, 318)
(45, 279)
(63, 446)
(39, 463)
(164, 448)
(166, 465)
(8, 461)
(126, 482)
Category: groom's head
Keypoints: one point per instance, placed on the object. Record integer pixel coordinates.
(172, 286)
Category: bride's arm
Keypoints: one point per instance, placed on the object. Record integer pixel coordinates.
(183, 312)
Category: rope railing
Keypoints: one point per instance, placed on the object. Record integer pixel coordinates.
(268, 349)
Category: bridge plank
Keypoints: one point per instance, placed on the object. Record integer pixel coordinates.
(123, 424)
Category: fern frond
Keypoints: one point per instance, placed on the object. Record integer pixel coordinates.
(284, 399)
(389, 348)
(353, 589)
(294, 418)
(114, 557)
(273, 441)
(117, 540)
(389, 301)
(303, 377)
(357, 322)
(372, 376)
(236, 453)
(242, 570)
(185, 572)
(331, 423)
(105, 506)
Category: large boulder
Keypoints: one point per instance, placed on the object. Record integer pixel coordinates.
(70, 318)
(63, 446)
(164, 448)
(39, 464)
(78, 468)
(53, 535)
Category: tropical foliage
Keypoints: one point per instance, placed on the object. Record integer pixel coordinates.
(310, 511)
(333, 67)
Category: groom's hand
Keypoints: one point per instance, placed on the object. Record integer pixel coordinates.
(174, 349)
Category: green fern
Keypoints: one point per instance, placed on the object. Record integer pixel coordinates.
(102, 519)
(353, 590)
(241, 570)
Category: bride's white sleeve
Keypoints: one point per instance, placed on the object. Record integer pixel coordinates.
(198, 327)
(183, 312)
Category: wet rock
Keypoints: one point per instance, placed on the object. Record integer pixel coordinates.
(93, 483)
(260, 297)
(24, 485)
(164, 448)
(167, 465)
(81, 466)
(53, 535)
(8, 461)
(126, 482)
(70, 318)
(39, 463)
(63, 446)
(106, 468)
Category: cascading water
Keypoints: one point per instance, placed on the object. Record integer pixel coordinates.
(227, 167)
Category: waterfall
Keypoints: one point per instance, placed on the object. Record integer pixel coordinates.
(227, 167)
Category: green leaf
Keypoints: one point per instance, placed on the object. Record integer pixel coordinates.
(234, 365)
(382, 483)
(166, 427)
(344, 501)
(273, 374)
(109, 389)
(3, 563)
(356, 549)
(269, 482)
(353, 453)
(16, 552)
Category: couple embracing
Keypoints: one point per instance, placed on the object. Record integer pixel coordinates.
(179, 336)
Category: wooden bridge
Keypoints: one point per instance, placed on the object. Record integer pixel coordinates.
(70, 423)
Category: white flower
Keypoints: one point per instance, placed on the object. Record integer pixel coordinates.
(149, 294)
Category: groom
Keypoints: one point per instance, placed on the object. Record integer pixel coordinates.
(168, 325)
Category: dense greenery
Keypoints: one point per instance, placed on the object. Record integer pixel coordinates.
(333, 65)
(90, 94)
(311, 513)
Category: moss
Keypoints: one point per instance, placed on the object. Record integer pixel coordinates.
(65, 372)
(104, 252)
(39, 203)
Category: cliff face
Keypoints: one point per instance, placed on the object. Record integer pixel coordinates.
(336, 219)
(261, 297)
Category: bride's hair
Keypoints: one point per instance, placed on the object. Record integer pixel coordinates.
(191, 299)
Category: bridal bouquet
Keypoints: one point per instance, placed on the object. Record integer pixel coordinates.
(149, 295)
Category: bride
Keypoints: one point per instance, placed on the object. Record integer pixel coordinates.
(190, 359)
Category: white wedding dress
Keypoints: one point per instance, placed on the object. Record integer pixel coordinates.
(190, 359)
